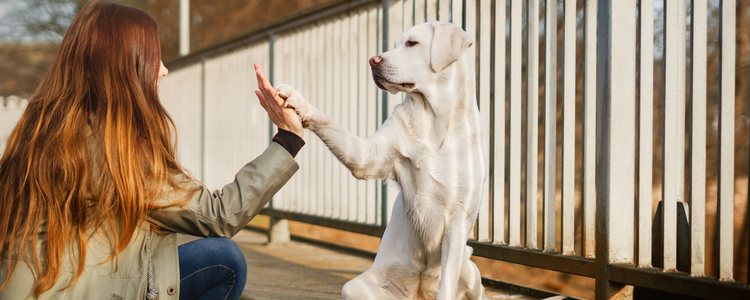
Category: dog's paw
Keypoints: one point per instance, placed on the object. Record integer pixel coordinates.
(294, 99)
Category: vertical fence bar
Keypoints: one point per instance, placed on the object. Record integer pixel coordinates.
(483, 39)
(456, 12)
(550, 124)
(615, 140)
(532, 121)
(203, 122)
(348, 46)
(569, 127)
(354, 102)
(320, 89)
(444, 10)
(725, 214)
(498, 199)
(674, 127)
(473, 30)
(328, 85)
(589, 130)
(645, 134)
(514, 218)
(373, 48)
(430, 10)
(384, 114)
(698, 139)
(361, 98)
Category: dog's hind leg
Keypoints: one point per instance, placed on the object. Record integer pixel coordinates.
(384, 282)
(470, 281)
(364, 287)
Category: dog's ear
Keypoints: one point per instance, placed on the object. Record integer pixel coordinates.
(448, 42)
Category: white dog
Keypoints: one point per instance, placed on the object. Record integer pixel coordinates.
(431, 146)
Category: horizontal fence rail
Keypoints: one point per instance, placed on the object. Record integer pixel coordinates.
(597, 118)
(11, 109)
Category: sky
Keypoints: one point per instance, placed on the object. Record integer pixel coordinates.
(4, 11)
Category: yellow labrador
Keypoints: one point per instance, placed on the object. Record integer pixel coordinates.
(431, 146)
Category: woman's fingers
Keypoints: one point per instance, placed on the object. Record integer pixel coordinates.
(280, 114)
(261, 99)
(265, 86)
(263, 83)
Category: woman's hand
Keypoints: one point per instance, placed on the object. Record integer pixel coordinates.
(284, 118)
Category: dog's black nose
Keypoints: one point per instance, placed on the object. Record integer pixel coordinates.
(375, 60)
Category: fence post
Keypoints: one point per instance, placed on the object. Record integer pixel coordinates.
(384, 112)
(615, 145)
(203, 121)
(278, 229)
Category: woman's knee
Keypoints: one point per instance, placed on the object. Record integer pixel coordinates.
(231, 254)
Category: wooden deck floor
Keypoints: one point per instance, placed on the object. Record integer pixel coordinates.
(297, 270)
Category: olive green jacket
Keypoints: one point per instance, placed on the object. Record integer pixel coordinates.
(219, 213)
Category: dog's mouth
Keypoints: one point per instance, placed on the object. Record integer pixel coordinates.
(384, 84)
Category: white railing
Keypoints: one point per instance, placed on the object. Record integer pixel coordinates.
(601, 216)
(11, 109)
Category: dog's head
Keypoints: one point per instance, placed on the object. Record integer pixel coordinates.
(420, 57)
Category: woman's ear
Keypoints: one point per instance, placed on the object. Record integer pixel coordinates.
(448, 42)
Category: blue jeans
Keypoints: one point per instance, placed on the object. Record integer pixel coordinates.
(211, 268)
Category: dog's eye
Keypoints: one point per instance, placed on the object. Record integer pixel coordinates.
(411, 43)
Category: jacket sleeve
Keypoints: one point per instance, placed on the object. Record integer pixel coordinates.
(225, 212)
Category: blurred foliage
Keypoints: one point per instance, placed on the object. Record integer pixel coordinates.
(30, 32)
(212, 22)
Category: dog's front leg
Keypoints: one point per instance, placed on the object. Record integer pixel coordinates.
(371, 158)
(452, 256)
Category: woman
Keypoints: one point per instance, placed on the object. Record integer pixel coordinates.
(91, 194)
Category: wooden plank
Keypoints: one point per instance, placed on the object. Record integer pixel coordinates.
(726, 141)
(674, 127)
(532, 122)
(550, 125)
(514, 221)
(498, 199)
(569, 126)
(646, 127)
(698, 139)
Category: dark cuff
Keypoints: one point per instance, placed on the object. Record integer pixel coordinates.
(290, 141)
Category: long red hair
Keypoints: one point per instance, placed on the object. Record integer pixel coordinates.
(93, 147)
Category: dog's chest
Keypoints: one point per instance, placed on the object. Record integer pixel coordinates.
(451, 168)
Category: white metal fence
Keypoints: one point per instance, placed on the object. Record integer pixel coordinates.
(605, 224)
(11, 109)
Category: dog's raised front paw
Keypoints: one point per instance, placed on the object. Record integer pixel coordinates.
(294, 99)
